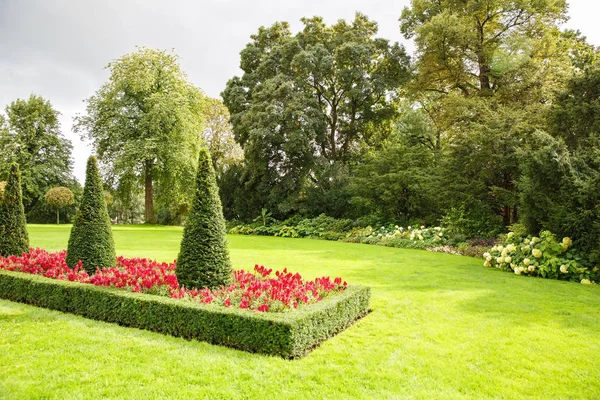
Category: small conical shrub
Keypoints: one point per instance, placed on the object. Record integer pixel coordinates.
(14, 239)
(91, 240)
(203, 260)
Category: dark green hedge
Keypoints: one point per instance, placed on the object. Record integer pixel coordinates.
(289, 335)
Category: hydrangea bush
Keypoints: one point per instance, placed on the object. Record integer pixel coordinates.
(542, 256)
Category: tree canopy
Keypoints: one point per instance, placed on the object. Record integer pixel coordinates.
(308, 101)
(30, 135)
(145, 124)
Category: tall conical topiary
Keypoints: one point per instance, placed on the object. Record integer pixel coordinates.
(91, 239)
(14, 239)
(203, 258)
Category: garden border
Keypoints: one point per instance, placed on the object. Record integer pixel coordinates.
(289, 334)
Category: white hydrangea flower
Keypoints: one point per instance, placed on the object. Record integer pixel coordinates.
(486, 254)
(526, 261)
(511, 248)
(499, 260)
(537, 253)
(508, 259)
(564, 269)
(489, 258)
(586, 282)
(531, 268)
(510, 234)
(487, 264)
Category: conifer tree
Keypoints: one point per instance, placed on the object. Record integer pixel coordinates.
(204, 258)
(91, 240)
(14, 239)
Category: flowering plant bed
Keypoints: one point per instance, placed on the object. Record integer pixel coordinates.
(258, 291)
(309, 311)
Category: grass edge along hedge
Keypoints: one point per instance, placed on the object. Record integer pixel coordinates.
(289, 335)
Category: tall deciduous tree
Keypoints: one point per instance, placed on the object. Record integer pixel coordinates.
(145, 122)
(486, 71)
(470, 45)
(31, 136)
(309, 101)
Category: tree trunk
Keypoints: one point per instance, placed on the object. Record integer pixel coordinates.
(484, 78)
(57, 217)
(148, 187)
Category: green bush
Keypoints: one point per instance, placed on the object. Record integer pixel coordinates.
(91, 240)
(14, 239)
(290, 334)
(316, 227)
(203, 259)
(287, 231)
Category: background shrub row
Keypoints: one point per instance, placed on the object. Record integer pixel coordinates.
(289, 335)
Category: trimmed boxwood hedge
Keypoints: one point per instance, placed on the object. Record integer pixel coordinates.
(290, 335)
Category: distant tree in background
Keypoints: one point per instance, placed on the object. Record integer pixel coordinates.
(144, 124)
(91, 240)
(218, 135)
(30, 135)
(203, 259)
(14, 239)
(59, 197)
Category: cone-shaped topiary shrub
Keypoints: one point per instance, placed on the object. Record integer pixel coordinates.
(91, 239)
(203, 258)
(14, 239)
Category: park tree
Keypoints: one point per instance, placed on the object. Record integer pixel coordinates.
(485, 73)
(144, 122)
(471, 46)
(91, 240)
(14, 239)
(307, 103)
(218, 136)
(203, 260)
(59, 197)
(30, 135)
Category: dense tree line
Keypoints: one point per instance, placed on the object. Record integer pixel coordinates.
(493, 121)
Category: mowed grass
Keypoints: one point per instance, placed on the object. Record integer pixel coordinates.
(442, 327)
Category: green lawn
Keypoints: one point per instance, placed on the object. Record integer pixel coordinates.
(442, 326)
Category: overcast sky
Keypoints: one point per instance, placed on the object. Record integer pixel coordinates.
(58, 48)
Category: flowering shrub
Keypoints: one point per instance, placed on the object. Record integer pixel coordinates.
(541, 256)
(258, 290)
(397, 236)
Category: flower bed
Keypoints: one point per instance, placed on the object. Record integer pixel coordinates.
(260, 291)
